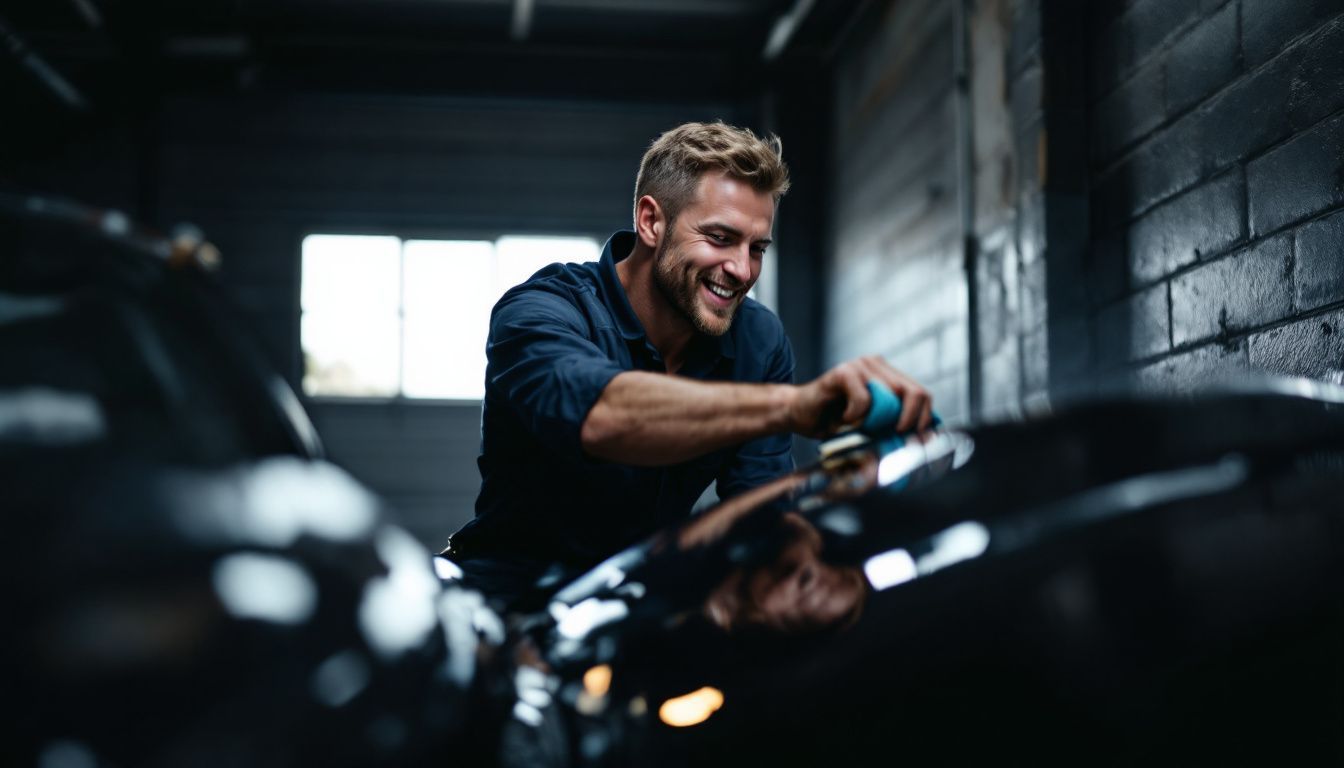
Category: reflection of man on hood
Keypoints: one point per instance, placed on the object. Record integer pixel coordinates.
(796, 592)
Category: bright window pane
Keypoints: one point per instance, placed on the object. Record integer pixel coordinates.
(350, 353)
(351, 273)
(448, 301)
(448, 278)
(383, 317)
(766, 288)
(441, 362)
(518, 258)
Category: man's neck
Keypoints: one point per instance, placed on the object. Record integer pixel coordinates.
(666, 328)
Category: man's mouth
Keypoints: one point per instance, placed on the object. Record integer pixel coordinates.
(721, 292)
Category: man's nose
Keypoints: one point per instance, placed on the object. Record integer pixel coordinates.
(738, 266)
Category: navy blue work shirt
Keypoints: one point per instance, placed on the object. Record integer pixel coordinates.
(555, 342)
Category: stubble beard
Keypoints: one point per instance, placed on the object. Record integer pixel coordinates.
(679, 284)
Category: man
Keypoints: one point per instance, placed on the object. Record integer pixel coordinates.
(617, 390)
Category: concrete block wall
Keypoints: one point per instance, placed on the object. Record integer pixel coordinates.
(895, 281)
(1008, 127)
(1217, 203)
(938, 255)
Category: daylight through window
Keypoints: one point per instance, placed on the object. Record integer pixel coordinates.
(386, 317)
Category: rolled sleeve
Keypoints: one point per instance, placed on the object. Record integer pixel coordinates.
(759, 461)
(545, 368)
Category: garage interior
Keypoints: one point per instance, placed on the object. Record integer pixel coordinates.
(1010, 200)
(1020, 203)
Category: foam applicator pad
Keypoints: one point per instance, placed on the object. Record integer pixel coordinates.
(885, 410)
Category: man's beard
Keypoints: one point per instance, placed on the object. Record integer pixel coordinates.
(679, 285)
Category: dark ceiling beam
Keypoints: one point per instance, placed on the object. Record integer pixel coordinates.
(849, 23)
(221, 47)
(677, 7)
(784, 27)
(508, 71)
(521, 23)
(36, 66)
(88, 11)
(635, 8)
(369, 45)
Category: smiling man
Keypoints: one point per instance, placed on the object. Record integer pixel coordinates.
(616, 391)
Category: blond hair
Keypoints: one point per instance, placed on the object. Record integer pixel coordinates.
(672, 167)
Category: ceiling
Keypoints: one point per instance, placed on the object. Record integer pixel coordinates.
(117, 50)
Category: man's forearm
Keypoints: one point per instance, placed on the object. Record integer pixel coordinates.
(652, 419)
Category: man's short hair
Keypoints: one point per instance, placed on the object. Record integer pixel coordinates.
(672, 167)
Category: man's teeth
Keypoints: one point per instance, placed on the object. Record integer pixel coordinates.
(722, 293)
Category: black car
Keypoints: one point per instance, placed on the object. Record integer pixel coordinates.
(188, 582)
(1135, 579)
(1130, 579)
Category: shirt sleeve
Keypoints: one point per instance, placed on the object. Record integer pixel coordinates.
(545, 368)
(759, 461)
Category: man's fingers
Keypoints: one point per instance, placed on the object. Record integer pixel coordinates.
(857, 398)
(916, 402)
(926, 416)
(848, 384)
(916, 409)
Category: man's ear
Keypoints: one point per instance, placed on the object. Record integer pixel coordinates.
(650, 222)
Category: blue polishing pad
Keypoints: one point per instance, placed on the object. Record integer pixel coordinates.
(885, 410)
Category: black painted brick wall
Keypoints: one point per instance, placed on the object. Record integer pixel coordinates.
(1217, 151)
(1312, 346)
(1247, 289)
(1320, 255)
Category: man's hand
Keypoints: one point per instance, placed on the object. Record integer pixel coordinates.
(839, 399)
(653, 419)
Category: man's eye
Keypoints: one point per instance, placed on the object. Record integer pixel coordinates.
(718, 238)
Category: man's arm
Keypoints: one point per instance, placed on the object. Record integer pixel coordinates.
(756, 462)
(651, 419)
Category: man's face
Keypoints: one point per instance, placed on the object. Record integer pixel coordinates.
(712, 253)
(800, 590)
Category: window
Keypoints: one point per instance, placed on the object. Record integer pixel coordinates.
(386, 317)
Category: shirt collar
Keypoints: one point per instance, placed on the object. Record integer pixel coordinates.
(627, 322)
(619, 246)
